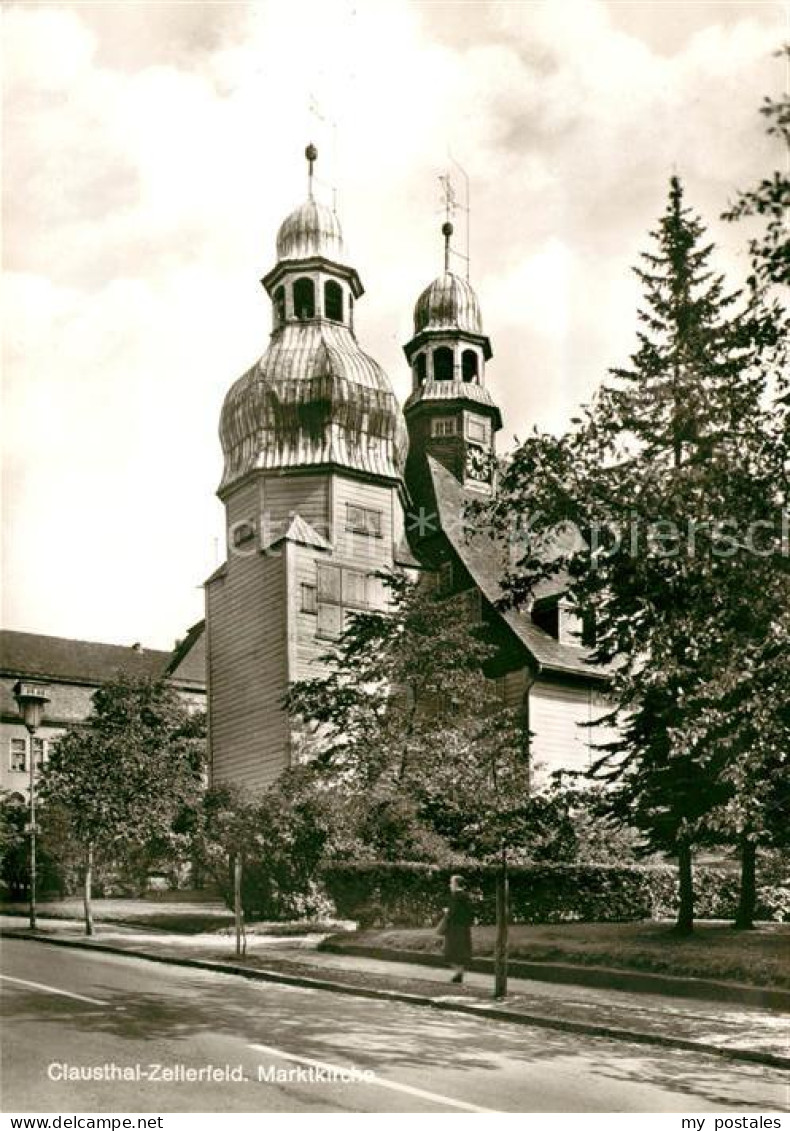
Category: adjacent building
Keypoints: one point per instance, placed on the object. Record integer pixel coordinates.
(71, 671)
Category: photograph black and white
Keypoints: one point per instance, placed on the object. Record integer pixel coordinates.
(395, 649)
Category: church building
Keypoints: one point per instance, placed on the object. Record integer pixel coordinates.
(327, 482)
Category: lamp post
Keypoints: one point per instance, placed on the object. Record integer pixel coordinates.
(30, 699)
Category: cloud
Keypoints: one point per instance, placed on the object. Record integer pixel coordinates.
(151, 152)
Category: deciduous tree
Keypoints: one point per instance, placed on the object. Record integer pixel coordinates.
(126, 773)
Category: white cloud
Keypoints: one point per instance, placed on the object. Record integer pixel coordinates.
(150, 153)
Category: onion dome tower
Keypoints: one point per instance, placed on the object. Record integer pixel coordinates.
(315, 398)
(450, 414)
(314, 447)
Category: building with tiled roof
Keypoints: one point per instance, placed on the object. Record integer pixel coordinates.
(71, 671)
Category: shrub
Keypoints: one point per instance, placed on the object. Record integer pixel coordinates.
(413, 894)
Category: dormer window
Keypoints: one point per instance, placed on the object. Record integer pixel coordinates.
(279, 306)
(443, 364)
(333, 301)
(469, 365)
(546, 615)
(304, 298)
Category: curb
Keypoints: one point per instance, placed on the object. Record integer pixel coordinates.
(599, 977)
(490, 1012)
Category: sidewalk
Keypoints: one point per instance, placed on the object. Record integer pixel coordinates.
(740, 1032)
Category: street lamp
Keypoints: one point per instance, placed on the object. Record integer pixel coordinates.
(30, 699)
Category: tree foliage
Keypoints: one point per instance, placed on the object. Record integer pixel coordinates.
(413, 741)
(278, 835)
(650, 507)
(129, 772)
(769, 201)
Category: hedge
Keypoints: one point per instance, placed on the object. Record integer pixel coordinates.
(413, 894)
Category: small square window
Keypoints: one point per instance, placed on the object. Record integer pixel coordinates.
(18, 759)
(444, 426)
(242, 532)
(340, 592)
(354, 589)
(373, 521)
(329, 584)
(39, 752)
(330, 621)
(355, 517)
(363, 520)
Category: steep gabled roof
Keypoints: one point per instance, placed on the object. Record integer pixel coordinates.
(302, 533)
(485, 558)
(75, 661)
(187, 665)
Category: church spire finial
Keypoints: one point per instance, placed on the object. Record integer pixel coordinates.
(447, 231)
(311, 153)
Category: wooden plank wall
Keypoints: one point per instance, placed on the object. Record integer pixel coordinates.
(247, 668)
(558, 742)
(364, 548)
(284, 495)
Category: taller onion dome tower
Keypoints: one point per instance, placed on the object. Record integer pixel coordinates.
(450, 414)
(314, 448)
(315, 398)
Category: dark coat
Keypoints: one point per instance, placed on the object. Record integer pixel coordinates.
(458, 929)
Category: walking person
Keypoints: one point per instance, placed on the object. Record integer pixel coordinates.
(456, 926)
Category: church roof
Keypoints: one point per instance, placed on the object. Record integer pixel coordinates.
(485, 558)
(311, 229)
(432, 391)
(314, 398)
(448, 303)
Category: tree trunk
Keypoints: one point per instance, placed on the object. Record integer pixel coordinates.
(237, 908)
(87, 891)
(747, 899)
(685, 920)
(502, 916)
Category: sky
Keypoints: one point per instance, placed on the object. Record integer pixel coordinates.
(151, 150)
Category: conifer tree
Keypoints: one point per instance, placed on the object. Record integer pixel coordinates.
(745, 706)
(662, 479)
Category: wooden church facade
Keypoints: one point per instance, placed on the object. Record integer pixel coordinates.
(327, 481)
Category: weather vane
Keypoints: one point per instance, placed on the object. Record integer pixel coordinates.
(317, 115)
(451, 205)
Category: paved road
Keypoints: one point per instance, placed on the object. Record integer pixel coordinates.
(79, 1009)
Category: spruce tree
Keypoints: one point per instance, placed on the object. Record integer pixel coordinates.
(661, 477)
(746, 705)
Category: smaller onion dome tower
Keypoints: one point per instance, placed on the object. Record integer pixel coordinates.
(450, 413)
